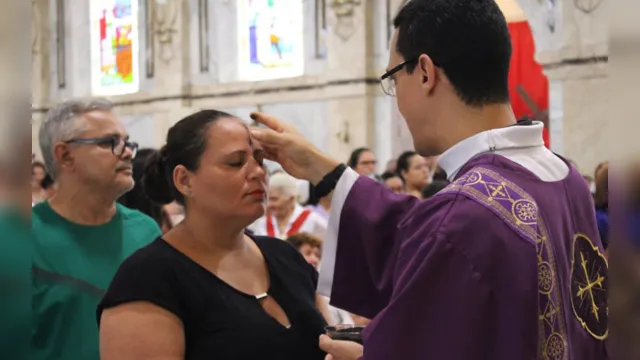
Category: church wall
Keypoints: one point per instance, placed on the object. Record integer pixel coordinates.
(337, 103)
(572, 45)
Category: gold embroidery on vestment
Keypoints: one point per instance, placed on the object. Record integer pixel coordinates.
(518, 208)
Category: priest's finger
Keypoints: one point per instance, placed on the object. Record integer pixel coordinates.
(268, 121)
(270, 154)
(268, 137)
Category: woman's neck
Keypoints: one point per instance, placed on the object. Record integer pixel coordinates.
(212, 235)
(414, 192)
(413, 189)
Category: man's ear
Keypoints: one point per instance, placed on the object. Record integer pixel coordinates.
(427, 71)
(63, 156)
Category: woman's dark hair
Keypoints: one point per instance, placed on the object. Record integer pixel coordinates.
(355, 156)
(389, 175)
(186, 142)
(404, 161)
(136, 198)
(601, 197)
(433, 188)
(439, 174)
(47, 182)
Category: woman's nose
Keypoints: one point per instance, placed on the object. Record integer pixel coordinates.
(257, 171)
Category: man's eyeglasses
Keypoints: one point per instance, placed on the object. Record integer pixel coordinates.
(118, 145)
(388, 83)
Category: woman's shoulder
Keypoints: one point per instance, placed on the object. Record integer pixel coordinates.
(273, 245)
(282, 250)
(286, 257)
(158, 257)
(150, 274)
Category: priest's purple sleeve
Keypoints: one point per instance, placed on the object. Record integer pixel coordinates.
(360, 247)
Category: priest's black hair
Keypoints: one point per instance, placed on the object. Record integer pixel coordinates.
(186, 142)
(468, 39)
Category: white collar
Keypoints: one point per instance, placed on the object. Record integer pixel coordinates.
(510, 137)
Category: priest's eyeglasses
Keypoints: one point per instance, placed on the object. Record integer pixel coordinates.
(117, 144)
(388, 81)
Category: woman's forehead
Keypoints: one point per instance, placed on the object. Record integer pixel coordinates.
(231, 133)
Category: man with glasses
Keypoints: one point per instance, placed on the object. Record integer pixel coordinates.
(504, 263)
(81, 234)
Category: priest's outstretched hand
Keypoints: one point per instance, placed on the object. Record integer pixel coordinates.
(340, 350)
(286, 146)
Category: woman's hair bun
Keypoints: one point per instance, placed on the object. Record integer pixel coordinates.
(155, 181)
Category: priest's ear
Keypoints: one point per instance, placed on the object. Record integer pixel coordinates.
(427, 72)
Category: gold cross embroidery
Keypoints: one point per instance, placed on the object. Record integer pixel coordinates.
(587, 290)
(497, 190)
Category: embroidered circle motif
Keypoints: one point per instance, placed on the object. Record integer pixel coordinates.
(525, 211)
(554, 347)
(545, 277)
(589, 286)
(474, 178)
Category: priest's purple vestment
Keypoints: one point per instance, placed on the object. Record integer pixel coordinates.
(499, 265)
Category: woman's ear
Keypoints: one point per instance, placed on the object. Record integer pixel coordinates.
(182, 179)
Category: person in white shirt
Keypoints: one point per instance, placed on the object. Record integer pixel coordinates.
(284, 215)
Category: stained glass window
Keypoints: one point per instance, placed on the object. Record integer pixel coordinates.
(114, 47)
(271, 39)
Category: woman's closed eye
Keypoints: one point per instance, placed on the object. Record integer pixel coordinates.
(240, 159)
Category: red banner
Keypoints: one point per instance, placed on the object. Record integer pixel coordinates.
(526, 72)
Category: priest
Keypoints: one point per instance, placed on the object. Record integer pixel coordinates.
(504, 263)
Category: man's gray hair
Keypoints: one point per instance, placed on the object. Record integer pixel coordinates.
(62, 123)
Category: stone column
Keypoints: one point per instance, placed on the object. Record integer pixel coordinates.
(41, 37)
(572, 46)
(170, 21)
(349, 74)
(395, 132)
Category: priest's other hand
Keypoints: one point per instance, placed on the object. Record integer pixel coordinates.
(286, 146)
(340, 350)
